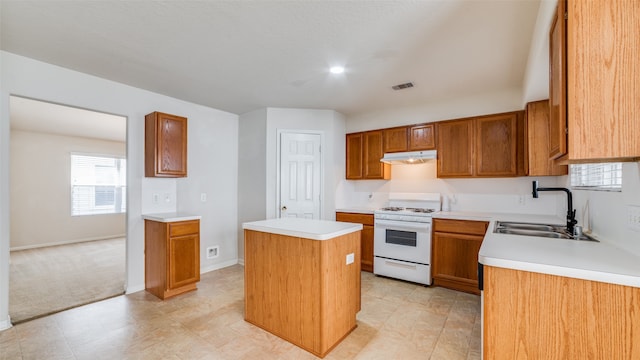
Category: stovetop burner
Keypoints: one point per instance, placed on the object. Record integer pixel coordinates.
(415, 210)
(392, 208)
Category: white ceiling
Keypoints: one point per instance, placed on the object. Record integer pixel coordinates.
(39, 116)
(239, 56)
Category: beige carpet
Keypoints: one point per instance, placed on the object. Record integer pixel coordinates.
(46, 280)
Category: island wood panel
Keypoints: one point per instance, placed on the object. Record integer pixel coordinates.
(302, 290)
(538, 316)
(366, 258)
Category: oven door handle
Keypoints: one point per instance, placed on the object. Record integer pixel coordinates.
(403, 225)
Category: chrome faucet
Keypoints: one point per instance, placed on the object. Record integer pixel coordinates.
(571, 212)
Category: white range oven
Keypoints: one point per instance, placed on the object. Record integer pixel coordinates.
(402, 237)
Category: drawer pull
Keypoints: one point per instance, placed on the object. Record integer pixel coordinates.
(401, 265)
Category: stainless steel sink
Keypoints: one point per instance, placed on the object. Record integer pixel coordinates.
(527, 226)
(539, 230)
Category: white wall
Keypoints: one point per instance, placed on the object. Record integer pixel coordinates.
(606, 212)
(213, 171)
(446, 109)
(331, 124)
(40, 176)
(252, 171)
(258, 168)
(30, 78)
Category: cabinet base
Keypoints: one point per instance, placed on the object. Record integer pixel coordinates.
(173, 292)
(469, 286)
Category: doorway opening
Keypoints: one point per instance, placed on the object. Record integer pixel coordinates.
(68, 207)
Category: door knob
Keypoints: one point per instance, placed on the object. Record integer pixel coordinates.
(284, 208)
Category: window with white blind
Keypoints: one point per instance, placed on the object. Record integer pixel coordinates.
(98, 184)
(605, 176)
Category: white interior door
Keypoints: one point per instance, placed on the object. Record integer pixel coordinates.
(300, 175)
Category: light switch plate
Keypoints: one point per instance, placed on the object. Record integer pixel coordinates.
(350, 258)
(633, 217)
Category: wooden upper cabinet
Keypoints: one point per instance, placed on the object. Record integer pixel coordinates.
(603, 37)
(364, 151)
(354, 156)
(395, 139)
(422, 137)
(496, 142)
(558, 83)
(538, 161)
(372, 153)
(456, 148)
(486, 146)
(165, 145)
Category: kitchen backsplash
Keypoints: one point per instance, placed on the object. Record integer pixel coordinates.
(478, 194)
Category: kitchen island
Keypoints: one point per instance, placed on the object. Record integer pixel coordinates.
(302, 280)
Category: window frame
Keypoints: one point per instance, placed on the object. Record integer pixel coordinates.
(119, 185)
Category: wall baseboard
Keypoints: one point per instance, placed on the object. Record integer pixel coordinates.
(5, 324)
(134, 289)
(27, 247)
(218, 266)
(241, 262)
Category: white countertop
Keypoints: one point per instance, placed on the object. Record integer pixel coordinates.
(171, 217)
(595, 261)
(357, 210)
(303, 228)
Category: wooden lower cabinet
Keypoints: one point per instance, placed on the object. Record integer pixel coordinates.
(367, 236)
(455, 247)
(539, 316)
(172, 257)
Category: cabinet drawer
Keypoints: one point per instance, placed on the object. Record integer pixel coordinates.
(364, 219)
(184, 228)
(460, 226)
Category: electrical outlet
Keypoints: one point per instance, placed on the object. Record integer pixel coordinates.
(156, 198)
(203, 197)
(521, 200)
(633, 217)
(213, 252)
(350, 258)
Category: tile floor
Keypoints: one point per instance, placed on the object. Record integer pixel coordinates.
(398, 320)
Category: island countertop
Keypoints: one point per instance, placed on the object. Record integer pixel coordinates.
(171, 217)
(303, 228)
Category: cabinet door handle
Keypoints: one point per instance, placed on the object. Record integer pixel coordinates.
(284, 208)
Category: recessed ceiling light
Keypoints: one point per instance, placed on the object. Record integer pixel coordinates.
(336, 69)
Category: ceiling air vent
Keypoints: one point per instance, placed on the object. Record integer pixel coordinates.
(402, 86)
